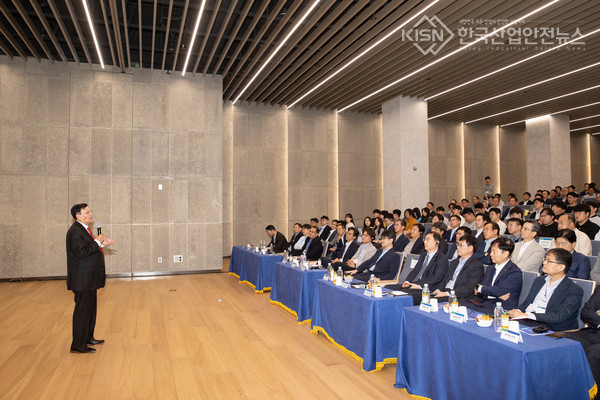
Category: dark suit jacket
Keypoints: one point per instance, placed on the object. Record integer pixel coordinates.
(580, 266)
(313, 252)
(352, 249)
(325, 234)
(339, 248)
(400, 243)
(294, 240)
(446, 236)
(434, 272)
(469, 276)
(385, 269)
(509, 280)
(85, 261)
(563, 307)
(482, 255)
(418, 247)
(279, 243)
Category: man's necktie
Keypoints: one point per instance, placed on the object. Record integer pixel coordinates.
(91, 234)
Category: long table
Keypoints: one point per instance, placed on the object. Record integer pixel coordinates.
(442, 359)
(367, 328)
(252, 268)
(293, 289)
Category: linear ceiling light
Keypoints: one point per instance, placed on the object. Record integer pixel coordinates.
(431, 64)
(585, 127)
(89, 18)
(377, 43)
(191, 46)
(515, 90)
(512, 65)
(597, 133)
(306, 14)
(554, 113)
(534, 104)
(588, 117)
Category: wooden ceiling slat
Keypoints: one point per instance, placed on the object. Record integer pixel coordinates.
(126, 31)
(31, 26)
(257, 17)
(63, 29)
(117, 32)
(265, 46)
(299, 54)
(153, 34)
(6, 49)
(207, 35)
(219, 36)
(78, 30)
(181, 28)
(46, 24)
(108, 35)
(282, 60)
(22, 35)
(162, 68)
(233, 34)
(4, 30)
(274, 12)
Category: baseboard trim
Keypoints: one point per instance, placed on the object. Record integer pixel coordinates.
(126, 275)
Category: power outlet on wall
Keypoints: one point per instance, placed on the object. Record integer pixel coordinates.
(177, 258)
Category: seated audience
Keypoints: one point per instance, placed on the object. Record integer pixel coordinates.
(378, 228)
(580, 265)
(449, 235)
(418, 244)
(491, 232)
(559, 208)
(495, 217)
(553, 299)
(384, 264)
(593, 212)
(528, 254)
(297, 229)
(460, 233)
(409, 218)
(299, 246)
(584, 245)
(469, 218)
(581, 212)
(440, 229)
(501, 282)
(367, 223)
(278, 242)
(350, 248)
(313, 247)
(338, 248)
(480, 220)
(314, 222)
(572, 201)
(332, 238)
(513, 227)
(388, 221)
(401, 239)
(364, 252)
(548, 226)
(376, 213)
(538, 206)
(349, 221)
(512, 203)
(324, 229)
(526, 199)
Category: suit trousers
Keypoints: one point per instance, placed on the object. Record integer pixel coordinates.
(84, 318)
(590, 340)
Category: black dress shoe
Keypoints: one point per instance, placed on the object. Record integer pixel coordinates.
(84, 350)
(95, 341)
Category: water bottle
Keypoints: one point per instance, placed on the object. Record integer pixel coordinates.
(372, 282)
(425, 294)
(340, 276)
(453, 302)
(285, 256)
(498, 317)
(329, 269)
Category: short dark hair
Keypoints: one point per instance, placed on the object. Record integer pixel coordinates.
(313, 227)
(270, 228)
(562, 257)
(353, 230)
(440, 225)
(479, 206)
(495, 210)
(548, 211)
(465, 229)
(592, 204)
(388, 234)
(527, 193)
(306, 226)
(436, 236)
(325, 217)
(495, 226)
(582, 208)
(370, 232)
(560, 204)
(467, 211)
(566, 234)
(298, 224)
(342, 223)
(314, 220)
(397, 212)
(410, 212)
(432, 205)
(455, 217)
(538, 199)
(377, 210)
(420, 227)
(516, 220)
(388, 216)
(476, 197)
(440, 208)
(470, 240)
(504, 244)
(76, 209)
(485, 217)
(402, 222)
(487, 177)
(535, 226)
(570, 217)
(516, 210)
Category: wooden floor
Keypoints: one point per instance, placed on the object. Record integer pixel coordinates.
(187, 337)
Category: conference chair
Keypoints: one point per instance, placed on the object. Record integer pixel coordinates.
(528, 278)
(451, 250)
(409, 264)
(324, 253)
(588, 288)
(595, 247)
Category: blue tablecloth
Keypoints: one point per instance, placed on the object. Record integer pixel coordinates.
(367, 328)
(257, 270)
(293, 289)
(442, 359)
(237, 259)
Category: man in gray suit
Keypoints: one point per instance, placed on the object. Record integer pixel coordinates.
(528, 254)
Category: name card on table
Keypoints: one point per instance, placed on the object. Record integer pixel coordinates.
(325, 277)
(457, 317)
(345, 285)
(425, 307)
(511, 336)
(368, 293)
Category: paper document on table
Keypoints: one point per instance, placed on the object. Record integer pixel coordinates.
(399, 293)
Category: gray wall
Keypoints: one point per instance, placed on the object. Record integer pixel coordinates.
(446, 170)
(481, 158)
(513, 166)
(72, 134)
(595, 158)
(580, 164)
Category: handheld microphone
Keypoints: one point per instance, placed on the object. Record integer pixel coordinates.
(99, 228)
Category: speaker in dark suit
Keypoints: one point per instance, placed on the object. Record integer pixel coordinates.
(85, 275)
(278, 241)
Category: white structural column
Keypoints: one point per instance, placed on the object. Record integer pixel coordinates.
(548, 152)
(405, 153)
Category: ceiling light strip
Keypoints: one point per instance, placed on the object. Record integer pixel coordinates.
(585, 127)
(513, 65)
(554, 113)
(364, 52)
(283, 42)
(191, 46)
(534, 104)
(431, 64)
(588, 117)
(89, 18)
(515, 90)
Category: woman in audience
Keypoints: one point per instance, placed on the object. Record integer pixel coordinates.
(378, 228)
(367, 223)
(580, 266)
(409, 218)
(417, 214)
(349, 221)
(425, 215)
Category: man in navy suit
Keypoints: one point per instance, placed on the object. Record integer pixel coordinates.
(430, 269)
(85, 275)
(325, 228)
(450, 235)
(384, 264)
(278, 241)
(501, 282)
(491, 232)
(336, 251)
(554, 299)
(313, 247)
(580, 266)
(401, 239)
(348, 252)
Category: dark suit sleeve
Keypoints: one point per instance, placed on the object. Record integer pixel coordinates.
(79, 246)
(413, 274)
(314, 251)
(280, 243)
(468, 278)
(368, 263)
(417, 247)
(435, 275)
(393, 263)
(588, 312)
(351, 251)
(449, 273)
(568, 304)
(513, 279)
(533, 291)
(325, 234)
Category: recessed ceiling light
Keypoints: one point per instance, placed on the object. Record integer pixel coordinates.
(585, 127)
